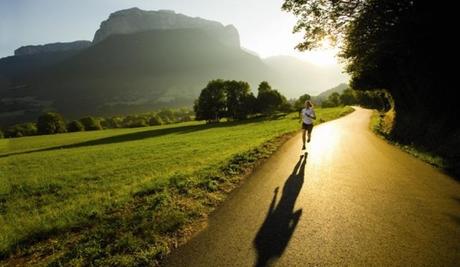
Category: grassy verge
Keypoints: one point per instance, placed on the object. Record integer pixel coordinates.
(124, 197)
(381, 124)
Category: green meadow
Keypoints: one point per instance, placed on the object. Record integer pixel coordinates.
(122, 196)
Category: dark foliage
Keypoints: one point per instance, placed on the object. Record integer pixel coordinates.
(75, 126)
(395, 45)
(51, 123)
(268, 99)
(91, 124)
(234, 100)
(23, 129)
(300, 102)
(211, 104)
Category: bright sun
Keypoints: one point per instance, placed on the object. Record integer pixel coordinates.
(325, 55)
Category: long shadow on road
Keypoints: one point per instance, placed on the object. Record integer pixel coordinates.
(279, 225)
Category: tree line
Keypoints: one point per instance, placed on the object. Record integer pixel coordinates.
(379, 100)
(396, 46)
(234, 100)
(219, 99)
(54, 123)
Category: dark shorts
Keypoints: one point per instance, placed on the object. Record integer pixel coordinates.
(308, 127)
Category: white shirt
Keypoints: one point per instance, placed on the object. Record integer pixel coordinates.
(307, 113)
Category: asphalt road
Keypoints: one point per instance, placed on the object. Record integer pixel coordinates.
(353, 200)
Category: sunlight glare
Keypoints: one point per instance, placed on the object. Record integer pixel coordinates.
(324, 55)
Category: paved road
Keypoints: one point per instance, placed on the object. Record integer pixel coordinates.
(354, 200)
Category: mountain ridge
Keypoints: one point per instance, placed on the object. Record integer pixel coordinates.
(134, 20)
(136, 72)
(52, 47)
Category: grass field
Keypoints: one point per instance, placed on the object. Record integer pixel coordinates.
(119, 197)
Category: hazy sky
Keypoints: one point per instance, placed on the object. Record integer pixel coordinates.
(263, 27)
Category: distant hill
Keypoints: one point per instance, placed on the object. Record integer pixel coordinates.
(297, 77)
(129, 73)
(324, 95)
(49, 48)
(141, 61)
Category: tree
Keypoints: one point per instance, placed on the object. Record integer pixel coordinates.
(373, 99)
(211, 104)
(391, 45)
(249, 105)
(264, 87)
(23, 129)
(155, 120)
(286, 106)
(239, 99)
(386, 44)
(133, 121)
(1, 134)
(233, 99)
(269, 100)
(91, 124)
(323, 19)
(51, 123)
(348, 97)
(300, 102)
(113, 122)
(334, 98)
(166, 115)
(75, 126)
(183, 114)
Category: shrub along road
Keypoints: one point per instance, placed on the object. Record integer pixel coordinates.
(353, 200)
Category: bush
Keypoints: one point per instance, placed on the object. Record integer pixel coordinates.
(91, 124)
(51, 123)
(23, 129)
(1, 134)
(184, 118)
(155, 120)
(286, 107)
(135, 121)
(166, 115)
(111, 123)
(75, 126)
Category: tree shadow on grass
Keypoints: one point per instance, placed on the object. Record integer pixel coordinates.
(141, 135)
(279, 225)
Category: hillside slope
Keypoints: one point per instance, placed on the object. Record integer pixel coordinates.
(132, 72)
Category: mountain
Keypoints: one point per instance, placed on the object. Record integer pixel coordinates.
(48, 48)
(127, 73)
(138, 61)
(297, 77)
(324, 95)
(135, 20)
(141, 61)
(17, 104)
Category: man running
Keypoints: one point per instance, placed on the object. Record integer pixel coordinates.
(308, 115)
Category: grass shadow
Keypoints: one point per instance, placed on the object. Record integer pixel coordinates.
(142, 135)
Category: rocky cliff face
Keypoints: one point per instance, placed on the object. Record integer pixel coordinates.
(136, 20)
(47, 48)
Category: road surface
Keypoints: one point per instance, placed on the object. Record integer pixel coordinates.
(353, 200)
